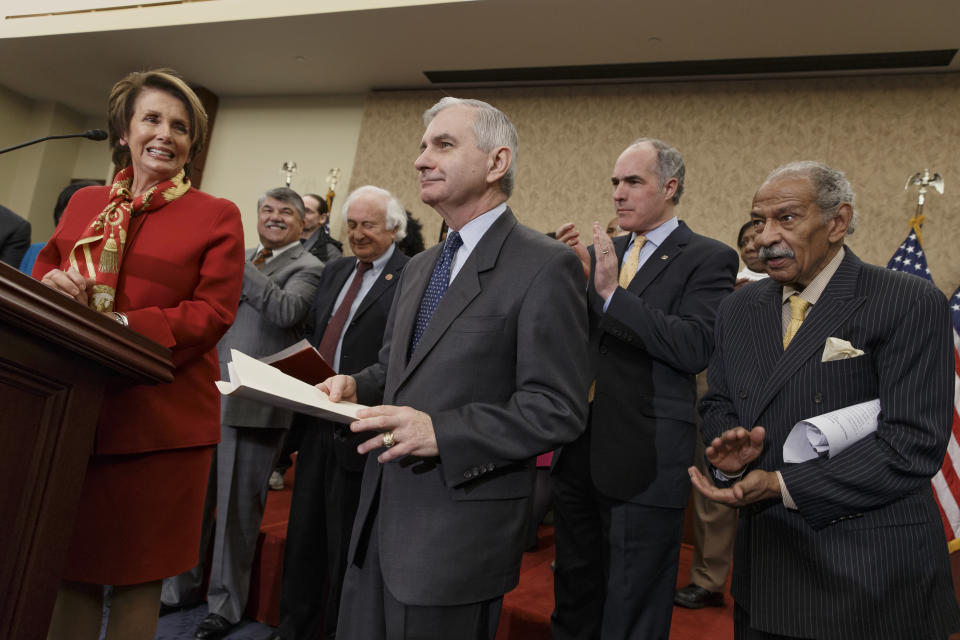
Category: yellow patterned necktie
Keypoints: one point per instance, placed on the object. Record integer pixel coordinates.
(629, 268)
(798, 310)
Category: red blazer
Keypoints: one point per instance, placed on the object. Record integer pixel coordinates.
(180, 286)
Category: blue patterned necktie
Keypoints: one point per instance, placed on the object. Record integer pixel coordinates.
(439, 281)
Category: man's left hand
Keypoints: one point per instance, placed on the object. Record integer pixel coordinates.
(606, 268)
(412, 432)
(755, 486)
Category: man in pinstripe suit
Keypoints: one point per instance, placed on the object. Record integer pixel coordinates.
(849, 546)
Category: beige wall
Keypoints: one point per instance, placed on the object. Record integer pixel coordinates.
(879, 130)
(253, 137)
(15, 113)
(31, 178)
(93, 158)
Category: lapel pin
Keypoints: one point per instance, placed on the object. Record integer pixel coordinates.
(389, 276)
(664, 257)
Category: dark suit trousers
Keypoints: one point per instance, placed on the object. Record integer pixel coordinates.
(291, 444)
(325, 498)
(616, 561)
(369, 611)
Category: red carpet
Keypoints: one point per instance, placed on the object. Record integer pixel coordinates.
(526, 609)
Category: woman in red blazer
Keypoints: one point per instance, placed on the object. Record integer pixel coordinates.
(167, 261)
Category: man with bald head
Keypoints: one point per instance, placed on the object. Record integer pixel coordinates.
(851, 545)
(620, 489)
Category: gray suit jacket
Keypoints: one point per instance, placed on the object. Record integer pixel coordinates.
(500, 370)
(864, 556)
(322, 246)
(273, 307)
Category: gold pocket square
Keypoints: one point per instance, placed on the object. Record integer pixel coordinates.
(839, 349)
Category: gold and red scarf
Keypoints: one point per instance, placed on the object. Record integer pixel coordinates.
(98, 253)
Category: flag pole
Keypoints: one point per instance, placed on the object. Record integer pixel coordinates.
(922, 180)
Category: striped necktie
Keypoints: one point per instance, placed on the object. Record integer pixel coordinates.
(261, 257)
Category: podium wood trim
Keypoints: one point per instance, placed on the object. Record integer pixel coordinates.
(56, 359)
(52, 316)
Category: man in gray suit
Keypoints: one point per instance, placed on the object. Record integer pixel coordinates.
(279, 282)
(489, 371)
(850, 545)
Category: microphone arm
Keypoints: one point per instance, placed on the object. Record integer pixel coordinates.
(92, 134)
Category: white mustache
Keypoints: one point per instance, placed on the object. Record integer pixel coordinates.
(774, 252)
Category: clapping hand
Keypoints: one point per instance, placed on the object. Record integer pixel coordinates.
(731, 453)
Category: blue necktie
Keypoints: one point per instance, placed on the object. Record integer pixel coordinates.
(439, 281)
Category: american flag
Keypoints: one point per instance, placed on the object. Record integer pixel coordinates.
(946, 484)
(910, 258)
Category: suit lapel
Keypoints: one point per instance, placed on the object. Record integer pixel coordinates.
(416, 276)
(765, 327)
(620, 248)
(282, 260)
(835, 305)
(390, 271)
(462, 291)
(309, 242)
(336, 284)
(669, 249)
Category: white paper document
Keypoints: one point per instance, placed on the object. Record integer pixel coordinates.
(831, 432)
(255, 380)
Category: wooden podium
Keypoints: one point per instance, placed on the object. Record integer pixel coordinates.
(55, 360)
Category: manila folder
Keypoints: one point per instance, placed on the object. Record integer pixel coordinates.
(254, 380)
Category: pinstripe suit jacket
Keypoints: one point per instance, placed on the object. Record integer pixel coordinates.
(271, 316)
(864, 556)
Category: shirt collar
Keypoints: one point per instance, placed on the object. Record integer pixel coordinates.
(655, 237)
(473, 231)
(812, 292)
(286, 247)
(379, 263)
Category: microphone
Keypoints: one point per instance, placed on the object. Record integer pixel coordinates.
(90, 134)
